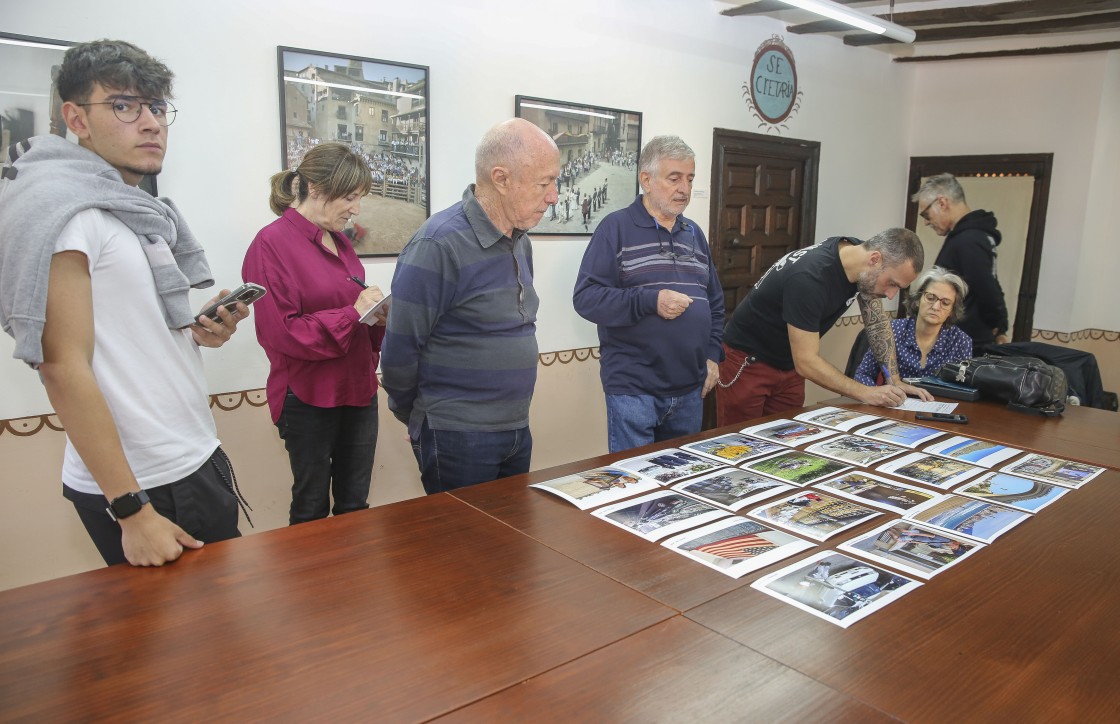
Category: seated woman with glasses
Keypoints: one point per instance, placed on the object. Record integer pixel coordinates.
(930, 338)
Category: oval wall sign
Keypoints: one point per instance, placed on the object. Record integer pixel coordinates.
(772, 90)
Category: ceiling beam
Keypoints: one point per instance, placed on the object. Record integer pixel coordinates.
(1053, 50)
(1098, 21)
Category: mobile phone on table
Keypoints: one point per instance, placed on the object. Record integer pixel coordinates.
(246, 294)
(941, 417)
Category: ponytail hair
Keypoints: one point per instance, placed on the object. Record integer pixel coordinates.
(332, 168)
(285, 186)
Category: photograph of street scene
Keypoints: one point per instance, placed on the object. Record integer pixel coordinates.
(599, 150)
(597, 487)
(1054, 470)
(814, 515)
(931, 470)
(667, 465)
(911, 548)
(733, 447)
(380, 110)
(837, 417)
(733, 488)
(659, 514)
(736, 546)
(884, 493)
(835, 587)
(855, 449)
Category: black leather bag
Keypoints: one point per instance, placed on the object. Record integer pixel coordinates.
(1026, 384)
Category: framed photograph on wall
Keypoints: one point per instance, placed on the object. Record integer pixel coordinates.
(599, 150)
(29, 101)
(380, 109)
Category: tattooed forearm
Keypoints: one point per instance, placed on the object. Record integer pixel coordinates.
(877, 323)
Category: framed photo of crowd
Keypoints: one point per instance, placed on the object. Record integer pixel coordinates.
(380, 109)
(29, 101)
(599, 150)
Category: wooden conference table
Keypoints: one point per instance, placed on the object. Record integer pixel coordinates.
(500, 602)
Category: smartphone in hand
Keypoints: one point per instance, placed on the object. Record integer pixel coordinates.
(246, 294)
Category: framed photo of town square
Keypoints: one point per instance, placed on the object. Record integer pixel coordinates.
(599, 150)
(380, 109)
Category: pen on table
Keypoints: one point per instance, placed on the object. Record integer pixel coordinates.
(359, 282)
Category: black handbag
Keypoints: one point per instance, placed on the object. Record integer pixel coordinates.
(1026, 384)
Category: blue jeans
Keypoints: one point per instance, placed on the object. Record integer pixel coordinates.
(331, 453)
(451, 459)
(634, 420)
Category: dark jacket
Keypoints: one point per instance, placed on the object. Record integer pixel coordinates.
(970, 251)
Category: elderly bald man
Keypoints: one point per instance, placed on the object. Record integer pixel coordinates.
(459, 360)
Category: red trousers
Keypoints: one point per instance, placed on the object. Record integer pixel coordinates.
(760, 389)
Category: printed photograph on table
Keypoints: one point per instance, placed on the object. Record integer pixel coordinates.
(1014, 491)
(837, 418)
(977, 452)
(597, 487)
(737, 546)
(979, 519)
(379, 108)
(855, 450)
(911, 548)
(867, 488)
(901, 433)
(799, 468)
(733, 448)
(599, 150)
(1048, 469)
(835, 587)
(814, 515)
(667, 465)
(733, 488)
(660, 514)
(931, 470)
(789, 432)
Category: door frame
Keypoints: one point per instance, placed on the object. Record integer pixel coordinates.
(725, 139)
(1036, 165)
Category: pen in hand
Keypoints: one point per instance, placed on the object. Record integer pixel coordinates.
(359, 282)
(887, 375)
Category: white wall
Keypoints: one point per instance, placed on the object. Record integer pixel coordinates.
(1068, 105)
(680, 63)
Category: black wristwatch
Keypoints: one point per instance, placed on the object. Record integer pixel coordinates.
(127, 504)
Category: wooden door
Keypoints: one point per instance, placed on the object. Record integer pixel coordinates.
(764, 198)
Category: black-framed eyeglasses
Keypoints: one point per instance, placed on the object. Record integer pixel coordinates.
(127, 109)
(924, 213)
(933, 300)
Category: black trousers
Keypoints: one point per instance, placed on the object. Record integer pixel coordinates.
(331, 452)
(203, 504)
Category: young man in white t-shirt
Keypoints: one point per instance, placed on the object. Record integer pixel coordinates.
(143, 465)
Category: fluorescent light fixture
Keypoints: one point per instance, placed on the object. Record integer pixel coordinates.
(567, 110)
(360, 89)
(33, 44)
(855, 18)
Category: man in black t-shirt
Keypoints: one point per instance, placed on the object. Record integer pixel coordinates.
(772, 343)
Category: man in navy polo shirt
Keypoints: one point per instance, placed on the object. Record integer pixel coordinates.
(459, 359)
(648, 282)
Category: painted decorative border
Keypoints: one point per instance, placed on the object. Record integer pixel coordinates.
(230, 401)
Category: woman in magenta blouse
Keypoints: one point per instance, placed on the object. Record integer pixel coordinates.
(322, 381)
